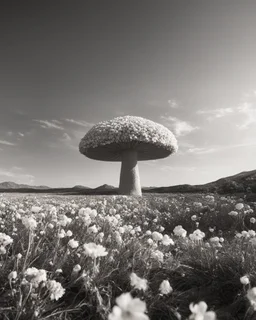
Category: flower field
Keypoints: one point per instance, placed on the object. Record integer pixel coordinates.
(158, 257)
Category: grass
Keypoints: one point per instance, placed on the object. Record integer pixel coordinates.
(197, 270)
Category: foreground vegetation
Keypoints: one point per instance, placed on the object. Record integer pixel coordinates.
(162, 257)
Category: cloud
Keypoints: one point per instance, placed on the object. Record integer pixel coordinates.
(49, 124)
(173, 103)
(6, 173)
(78, 135)
(151, 163)
(65, 140)
(80, 123)
(66, 137)
(202, 150)
(216, 113)
(17, 174)
(249, 110)
(56, 121)
(180, 127)
(173, 168)
(15, 168)
(7, 143)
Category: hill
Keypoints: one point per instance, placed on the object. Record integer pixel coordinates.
(241, 182)
(13, 185)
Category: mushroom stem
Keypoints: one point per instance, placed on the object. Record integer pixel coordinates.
(129, 177)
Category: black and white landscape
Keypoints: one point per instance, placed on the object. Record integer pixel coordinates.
(127, 160)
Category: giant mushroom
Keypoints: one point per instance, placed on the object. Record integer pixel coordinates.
(128, 139)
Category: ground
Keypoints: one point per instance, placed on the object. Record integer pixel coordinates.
(70, 257)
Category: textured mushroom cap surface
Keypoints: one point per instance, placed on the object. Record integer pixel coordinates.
(108, 139)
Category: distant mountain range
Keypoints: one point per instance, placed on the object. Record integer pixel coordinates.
(13, 185)
(241, 182)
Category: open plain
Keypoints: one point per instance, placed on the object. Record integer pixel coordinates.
(70, 257)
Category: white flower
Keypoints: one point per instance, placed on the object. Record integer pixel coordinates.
(94, 250)
(35, 276)
(251, 295)
(233, 213)
(64, 220)
(12, 275)
(215, 241)
(199, 312)
(84, 214)
(56, 289)
(93, 213)
(19, 256)
(132, 232)
(112, 211)
(239, 206)
(138, 283)
(2, 250)
(121, 230)
(158, 255)
(157, 236)
(128, 308)
(5, 240)
(179, 231)
(93, 229)
(165, 287)
(59, 271)
(150, 241)
(251, 233)
(137, 229)
(194, 217)
(73, 243)
(50, 226)
(210, 198)
(252, 220)
(245, 280)
(61, 234)
(198, 205)
(69, 233)
(161, 228)
(167, 240)
(245, 234)
(53, 210)
(118, 238)
(36, 209)
(197, 235)
(100, 236)
(77, 268)
(29, 222)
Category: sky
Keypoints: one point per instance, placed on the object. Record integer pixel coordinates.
(67, 65)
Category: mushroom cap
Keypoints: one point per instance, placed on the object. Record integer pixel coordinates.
(108, 139)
